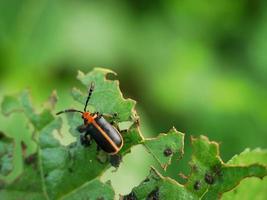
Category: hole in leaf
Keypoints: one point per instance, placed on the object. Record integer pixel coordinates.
(111, 76)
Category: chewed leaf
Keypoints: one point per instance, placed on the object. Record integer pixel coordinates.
(251, 188)
(74, 120)
(48, 169)
(125, 126)
(51, 101)
(107, 97)
(214, 176)
(38, 120)
(7, 146)
(155, 186)
(249, 157)
(24, 181)
(28, 185)
(22, 103)
(131, 137)
(210, 177)
(94, 189)
(66, 168)
(24, 145)
(70, 171)
(165, 146)
(10, 104)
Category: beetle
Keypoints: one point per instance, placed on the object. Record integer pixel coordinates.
(95, 126)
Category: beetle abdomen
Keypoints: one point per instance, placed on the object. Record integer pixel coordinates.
(111, 131)
(106, 136)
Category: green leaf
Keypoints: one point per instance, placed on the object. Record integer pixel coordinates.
(214, 176)
(10, 104)
(7, 146)
(131, 137)
(23, 104)
(107, 97)
(155, 186)
(209, 177)
(165, 146)
(28, 185)
(93, 190)
(25, 179)
(251, 188)
(57, 171)
(66, 168)
(65, 171)
(16, 128)
(38, 120)
(248, 157)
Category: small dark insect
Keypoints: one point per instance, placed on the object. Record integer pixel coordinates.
(95, 126)
(130, 196)
(168, 152)
(209, 178)
(217, 169)
(154, 195)
(115, 160)
(197, 185)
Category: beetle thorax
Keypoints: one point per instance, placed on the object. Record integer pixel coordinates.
(88, 117)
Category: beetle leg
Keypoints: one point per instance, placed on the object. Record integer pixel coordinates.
(115, 160)
(82, 128)
(85, 140)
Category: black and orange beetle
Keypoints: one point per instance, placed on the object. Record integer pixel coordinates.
(95, 126)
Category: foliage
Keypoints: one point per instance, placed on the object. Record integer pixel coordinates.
(209, 177)
(251, 188)
(49, 169)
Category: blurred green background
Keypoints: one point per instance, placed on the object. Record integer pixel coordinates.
(200, 66)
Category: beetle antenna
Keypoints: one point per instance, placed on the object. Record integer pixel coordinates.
(92, 87)
(68, 110)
